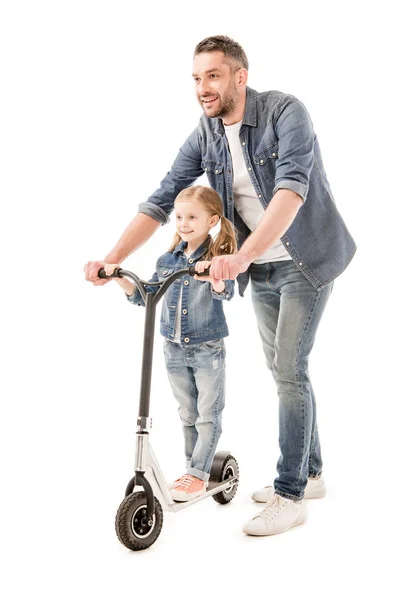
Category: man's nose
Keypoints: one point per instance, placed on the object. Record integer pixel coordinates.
(203, 88)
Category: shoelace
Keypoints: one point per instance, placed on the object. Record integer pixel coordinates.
(273, 507)
(186, 481)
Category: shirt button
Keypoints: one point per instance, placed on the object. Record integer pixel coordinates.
(249, 168)
(186, 282)
(190, 260)
(184, 312)
(287, 243)
(216, 172)
(243, 143)
(273, 154)
(262, 162)
(206, 169)
(300, 264)
(165, 272)
(259, 195)
(186, 340)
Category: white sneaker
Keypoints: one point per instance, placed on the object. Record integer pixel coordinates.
(279, 515)
(315, 488)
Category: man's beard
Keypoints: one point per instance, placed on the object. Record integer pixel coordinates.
(227, 105)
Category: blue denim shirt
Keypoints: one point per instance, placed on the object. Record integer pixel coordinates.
(202, 316)
(280, 150)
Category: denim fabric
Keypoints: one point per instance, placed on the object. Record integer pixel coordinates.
(202, 316)
(280, 150)
(197, 376)
(288, 311)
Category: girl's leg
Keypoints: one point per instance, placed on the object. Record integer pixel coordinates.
(185, 391)
(209, 372)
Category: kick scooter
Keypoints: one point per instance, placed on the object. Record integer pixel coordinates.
(139, 517)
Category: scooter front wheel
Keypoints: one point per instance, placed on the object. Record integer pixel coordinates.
(134, 528)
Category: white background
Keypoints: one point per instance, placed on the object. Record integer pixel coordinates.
(96, 99)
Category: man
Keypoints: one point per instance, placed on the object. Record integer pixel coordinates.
(261, 155)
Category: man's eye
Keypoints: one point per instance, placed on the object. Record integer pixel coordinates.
(178, 217)
(213, 75)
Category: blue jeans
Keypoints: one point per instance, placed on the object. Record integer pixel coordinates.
(197, 376)
(288, 311)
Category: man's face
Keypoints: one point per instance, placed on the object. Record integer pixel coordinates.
(216, 86)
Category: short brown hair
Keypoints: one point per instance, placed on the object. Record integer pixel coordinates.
(229, 47)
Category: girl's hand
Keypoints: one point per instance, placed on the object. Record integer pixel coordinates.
(126, 285)
(217, 284)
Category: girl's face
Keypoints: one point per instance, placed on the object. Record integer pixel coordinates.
(193, 221)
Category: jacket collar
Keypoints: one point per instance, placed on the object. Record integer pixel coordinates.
(180, 248)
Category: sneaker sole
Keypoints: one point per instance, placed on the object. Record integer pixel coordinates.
(299, 521)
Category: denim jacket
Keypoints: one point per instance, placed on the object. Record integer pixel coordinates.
(202, 314)
(280, 150)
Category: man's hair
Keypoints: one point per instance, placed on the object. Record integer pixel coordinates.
(222, 43)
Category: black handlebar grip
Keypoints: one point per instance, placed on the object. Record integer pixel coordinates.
(102, 274)
(192, 271)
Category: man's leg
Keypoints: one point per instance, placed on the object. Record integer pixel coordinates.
(288, 311)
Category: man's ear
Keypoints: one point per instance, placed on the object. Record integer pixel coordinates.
(242, 75)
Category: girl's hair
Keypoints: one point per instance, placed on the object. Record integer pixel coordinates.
(225, 241)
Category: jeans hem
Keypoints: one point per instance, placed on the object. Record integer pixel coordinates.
(199, 474)
(289, 496)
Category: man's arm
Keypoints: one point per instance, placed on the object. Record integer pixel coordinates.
(185, 170)
(139, 230)
(295, 133)
(277, 218)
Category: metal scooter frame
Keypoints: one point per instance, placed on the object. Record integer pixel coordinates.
(145, 460)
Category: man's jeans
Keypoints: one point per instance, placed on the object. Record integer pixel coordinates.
(197, 376)
(288, 311)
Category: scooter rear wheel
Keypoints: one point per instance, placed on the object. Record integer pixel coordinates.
(222, 471)
(133, 528)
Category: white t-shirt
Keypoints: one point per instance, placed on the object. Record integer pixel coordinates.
(246, 201)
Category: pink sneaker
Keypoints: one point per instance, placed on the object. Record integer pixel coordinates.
(187, 488)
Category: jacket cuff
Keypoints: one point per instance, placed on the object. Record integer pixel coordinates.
(289, 184)
(152, 210)
(225, 295)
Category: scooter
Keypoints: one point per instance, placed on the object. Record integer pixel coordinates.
(139, 517)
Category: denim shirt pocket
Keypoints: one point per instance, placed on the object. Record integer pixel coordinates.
(215, 173)
(164, 271)
(265, 162)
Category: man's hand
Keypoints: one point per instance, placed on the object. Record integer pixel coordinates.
(217, 284)
(91, 270)
(228, 266)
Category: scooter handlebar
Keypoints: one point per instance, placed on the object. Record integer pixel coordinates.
(102, 274)
(192, 271)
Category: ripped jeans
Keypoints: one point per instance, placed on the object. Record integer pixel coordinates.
(197, 376)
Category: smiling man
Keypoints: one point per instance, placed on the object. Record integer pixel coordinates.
(261, 154)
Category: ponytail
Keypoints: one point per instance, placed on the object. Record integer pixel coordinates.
(224, 242)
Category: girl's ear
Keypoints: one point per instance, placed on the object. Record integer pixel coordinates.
(213, 221)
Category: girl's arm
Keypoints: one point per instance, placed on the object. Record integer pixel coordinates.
(126, 285)
(221, 290)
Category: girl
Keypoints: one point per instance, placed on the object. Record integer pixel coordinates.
(193, 324)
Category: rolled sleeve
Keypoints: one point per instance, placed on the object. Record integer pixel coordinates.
(151, 209)
(228, 292)
(184, 171)
(295, 160)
